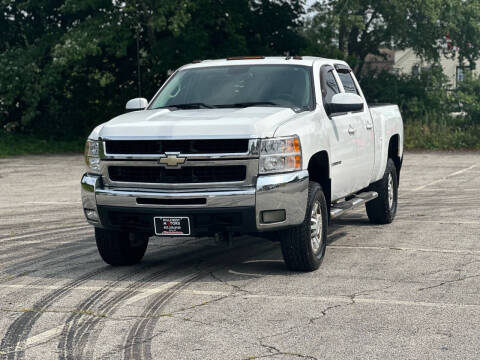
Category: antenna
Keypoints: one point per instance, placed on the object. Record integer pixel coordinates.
(139, 81)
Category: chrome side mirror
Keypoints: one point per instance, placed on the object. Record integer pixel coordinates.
(136, 104)
(345, 102)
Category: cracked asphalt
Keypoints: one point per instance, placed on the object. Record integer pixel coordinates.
(409, 290)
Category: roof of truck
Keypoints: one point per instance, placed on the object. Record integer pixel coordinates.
(270, 60)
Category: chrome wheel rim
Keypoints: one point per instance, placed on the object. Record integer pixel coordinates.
(390, 191)
(316, 227)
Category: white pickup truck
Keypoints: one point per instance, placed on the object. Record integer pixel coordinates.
(246, 145)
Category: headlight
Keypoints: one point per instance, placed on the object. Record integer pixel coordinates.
(92, 156)
(280, 154)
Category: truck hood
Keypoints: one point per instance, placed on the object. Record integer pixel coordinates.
(252, 122)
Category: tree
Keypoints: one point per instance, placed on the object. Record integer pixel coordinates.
(361, 27)
(461, 18)
(68, 65)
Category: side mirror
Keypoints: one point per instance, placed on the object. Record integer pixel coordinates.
(345, 102)
(136, 104)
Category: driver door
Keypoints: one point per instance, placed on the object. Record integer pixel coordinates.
(342, 143)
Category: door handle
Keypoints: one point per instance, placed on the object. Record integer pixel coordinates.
(351, 130)
(369, 126)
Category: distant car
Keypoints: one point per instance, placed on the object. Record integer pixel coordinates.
(252, 145)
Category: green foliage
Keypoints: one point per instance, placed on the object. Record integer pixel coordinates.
(357, 28)
(468, 96)
(428, 108)
(17, 144)
(461, 19)
(418, 96)
(67, 65)
(444, 133)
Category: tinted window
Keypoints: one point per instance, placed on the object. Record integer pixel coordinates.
(348, 83)
(331, 86)
(229, 86)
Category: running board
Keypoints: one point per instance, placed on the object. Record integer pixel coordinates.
(359, 199)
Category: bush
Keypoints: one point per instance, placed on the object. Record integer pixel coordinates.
(419, 96)
(427, 105)
(468, 97)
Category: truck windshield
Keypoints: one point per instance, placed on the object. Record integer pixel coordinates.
(238, 86)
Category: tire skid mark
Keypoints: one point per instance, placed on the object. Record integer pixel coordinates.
(137, 344)
(59, 230)
(81, 238)
(53, 264)
(68, 337)
(18, 332)
(58, 261)
(36, 236)
(29, 249)
(87, 333)
(25, 220)
(75, 335)
(48, 259)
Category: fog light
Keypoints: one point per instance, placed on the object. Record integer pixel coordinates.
(273, 216)
(91, 214)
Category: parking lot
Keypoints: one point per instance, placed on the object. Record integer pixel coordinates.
(409, 290)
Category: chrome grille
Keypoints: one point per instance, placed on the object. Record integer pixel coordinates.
(210, 146)
(136, 163)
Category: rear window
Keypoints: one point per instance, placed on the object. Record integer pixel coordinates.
(348, 84)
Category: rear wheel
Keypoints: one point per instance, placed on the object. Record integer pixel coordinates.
(383, 209)
(119, 248)
(303, 246)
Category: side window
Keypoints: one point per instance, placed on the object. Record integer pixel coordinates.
(329, 84)
(347, 81)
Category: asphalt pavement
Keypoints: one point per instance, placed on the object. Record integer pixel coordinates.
(409, 290)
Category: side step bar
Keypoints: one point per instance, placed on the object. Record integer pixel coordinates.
(338, 209)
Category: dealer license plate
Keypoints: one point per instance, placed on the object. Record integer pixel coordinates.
(172, 226)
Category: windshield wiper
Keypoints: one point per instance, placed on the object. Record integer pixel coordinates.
(198, 105)
(247, 104)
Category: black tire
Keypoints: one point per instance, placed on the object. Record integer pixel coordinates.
(120, 248)
(381, 210)
(297, 249)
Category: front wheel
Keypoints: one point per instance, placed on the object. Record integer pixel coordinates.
(383, 209)
(119, 248)
(303, 246)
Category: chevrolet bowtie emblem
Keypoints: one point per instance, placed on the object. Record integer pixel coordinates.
(172, 160)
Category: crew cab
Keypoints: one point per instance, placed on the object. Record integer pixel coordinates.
(276, 146)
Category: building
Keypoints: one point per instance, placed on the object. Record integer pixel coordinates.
(407, 62)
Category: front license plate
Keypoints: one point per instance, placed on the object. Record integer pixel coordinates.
(172, 226)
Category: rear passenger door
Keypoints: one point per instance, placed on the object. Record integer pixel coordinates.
(342, 148)
(363, 134)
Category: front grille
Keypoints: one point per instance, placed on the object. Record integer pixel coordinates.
(185, 175)
(214, 146)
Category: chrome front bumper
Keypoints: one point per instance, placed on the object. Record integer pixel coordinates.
(287, 192)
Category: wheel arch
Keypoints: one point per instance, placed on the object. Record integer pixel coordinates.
(319, 171)
(394, 153)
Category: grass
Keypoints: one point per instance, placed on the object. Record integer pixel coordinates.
(450, 134)
(11, 145)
